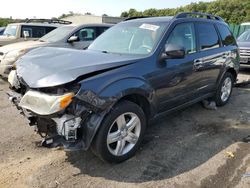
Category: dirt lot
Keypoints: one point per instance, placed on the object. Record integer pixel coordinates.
(185, 149)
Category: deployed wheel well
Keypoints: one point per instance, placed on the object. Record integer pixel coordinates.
(233, 72)
(141, 101)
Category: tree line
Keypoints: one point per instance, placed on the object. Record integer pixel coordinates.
(5, 21)
(232, 11)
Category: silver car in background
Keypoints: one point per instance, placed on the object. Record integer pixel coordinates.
(243, 42)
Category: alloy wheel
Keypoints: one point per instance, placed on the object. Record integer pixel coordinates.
(226, 89)
(124, 134)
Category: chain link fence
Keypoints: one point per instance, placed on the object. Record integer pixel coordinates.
(238, 29)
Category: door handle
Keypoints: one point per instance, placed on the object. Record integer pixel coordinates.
(197, 63)
(225, 55)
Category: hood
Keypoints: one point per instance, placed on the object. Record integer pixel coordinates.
(48, 66)
(243, 44)
(22, 45)
(6, 39)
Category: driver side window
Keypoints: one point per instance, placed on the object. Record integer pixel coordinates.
(183, 35)
(86, 34)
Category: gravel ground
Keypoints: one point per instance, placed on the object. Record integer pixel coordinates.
(184, 149)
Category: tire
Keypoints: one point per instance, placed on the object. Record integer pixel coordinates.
(224, 89)
(124, 126)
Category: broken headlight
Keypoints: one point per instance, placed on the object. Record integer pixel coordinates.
(12, 56)
(44, 104)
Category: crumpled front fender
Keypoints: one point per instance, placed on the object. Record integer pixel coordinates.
(100, 104)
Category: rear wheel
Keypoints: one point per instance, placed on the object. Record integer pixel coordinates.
(121, 133)
(224, 90)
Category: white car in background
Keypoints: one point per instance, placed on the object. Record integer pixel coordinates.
(30, 30)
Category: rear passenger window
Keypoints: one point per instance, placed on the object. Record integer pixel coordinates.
(183, 35)
(208, 36)
(226, 35)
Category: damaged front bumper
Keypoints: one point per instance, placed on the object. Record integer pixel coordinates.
(58, 129)
(74, 127)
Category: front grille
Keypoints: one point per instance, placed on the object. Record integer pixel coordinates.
(245, 53)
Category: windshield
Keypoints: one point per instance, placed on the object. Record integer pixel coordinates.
(57, 34)
(129, 38)
(10, 30)
(244, 37)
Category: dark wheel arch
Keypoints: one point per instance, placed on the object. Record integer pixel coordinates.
(233, 72)
(141, 101)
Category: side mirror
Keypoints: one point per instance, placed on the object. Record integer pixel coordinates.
(173, 51)
(26, 34)
(73, 39)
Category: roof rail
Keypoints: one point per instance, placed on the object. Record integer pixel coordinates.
(135, 17)
(198, 15)
(50, 21)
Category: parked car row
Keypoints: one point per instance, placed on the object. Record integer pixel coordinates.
(68, 36)
(103, 98)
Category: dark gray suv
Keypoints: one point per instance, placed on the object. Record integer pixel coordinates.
(139, 69)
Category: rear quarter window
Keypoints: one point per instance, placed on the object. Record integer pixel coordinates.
(226, 35)
(208, 37)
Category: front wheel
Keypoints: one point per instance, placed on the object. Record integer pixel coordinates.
(120, 133)
(224, 90)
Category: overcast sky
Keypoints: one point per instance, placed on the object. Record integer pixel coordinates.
(54, 8)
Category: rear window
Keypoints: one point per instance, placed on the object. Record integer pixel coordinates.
(208, 36)
(226, 35)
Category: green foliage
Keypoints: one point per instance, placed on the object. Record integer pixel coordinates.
(71, 13)
(232, 11)
(5, 21)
